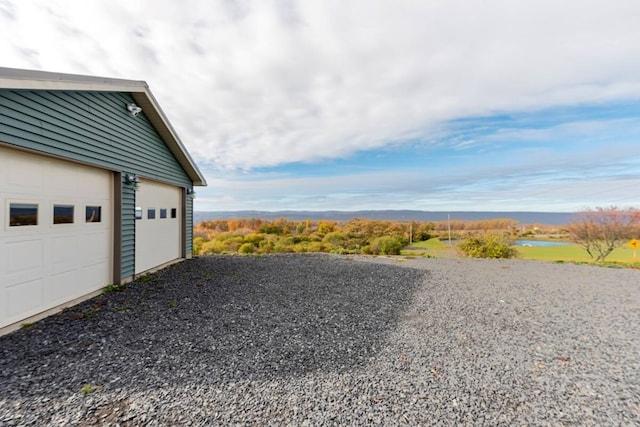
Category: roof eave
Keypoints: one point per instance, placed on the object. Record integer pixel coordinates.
(11, 78)
(159, 121)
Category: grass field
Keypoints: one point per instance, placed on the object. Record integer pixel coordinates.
(569, 253)
(433, 248)
(572, 253)
(432, 244)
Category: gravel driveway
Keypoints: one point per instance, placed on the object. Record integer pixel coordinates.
(325, 340)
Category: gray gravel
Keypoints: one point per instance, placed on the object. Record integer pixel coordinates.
(325, 340)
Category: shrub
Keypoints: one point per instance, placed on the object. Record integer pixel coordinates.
(282, 247)
(488, 246)
(315, 247)
(270, 229)
(300, 247)
(246, 248)
(300, 228)
(290, 240)
(325, 226)
(387, 245)
(254, 238)
(197, 245)
(213, 247)
(266, 246)
(334, 238)
(315, 237)
(234, 242)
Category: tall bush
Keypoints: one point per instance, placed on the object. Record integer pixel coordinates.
(387, 245)
(246, 248)
(488, 246)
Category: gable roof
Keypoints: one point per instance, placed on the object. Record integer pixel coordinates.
(12, 78)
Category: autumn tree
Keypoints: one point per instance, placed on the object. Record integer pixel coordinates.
(326, 226)
(601, 230)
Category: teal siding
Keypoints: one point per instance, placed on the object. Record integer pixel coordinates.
(188, 237)
(128, 244)
(94, 128)
(90, 127)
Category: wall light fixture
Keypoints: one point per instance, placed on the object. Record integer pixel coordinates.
(134, 110)
(132, 179)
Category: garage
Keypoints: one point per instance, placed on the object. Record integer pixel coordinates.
(56, 243)
(96, 188)
(158, 224)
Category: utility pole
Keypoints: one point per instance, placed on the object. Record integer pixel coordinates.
(410, 233)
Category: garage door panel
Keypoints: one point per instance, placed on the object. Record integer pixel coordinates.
(62, 287)
(94, 247)
(4, 171)
(45, 265)
(89, 184)
(25, 173)
(24, 256)
(63, 254)
(63, 180)
(25, 297)
(158, 240)
(4, 306)
(91, 277)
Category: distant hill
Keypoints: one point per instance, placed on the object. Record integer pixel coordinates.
(548, 218)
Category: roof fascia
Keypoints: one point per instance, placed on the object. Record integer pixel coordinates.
(12, 78)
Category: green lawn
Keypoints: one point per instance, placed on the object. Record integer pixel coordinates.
(569, 253)
(431, 248)
(433, 244)
(572, 253)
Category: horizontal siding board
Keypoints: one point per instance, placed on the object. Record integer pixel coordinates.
(128, 233)
(55, 130)
(52, 143)
(117, 161)
(91, 156)
(189, 225)
(60, 101)
(108, 138)
(54, 119)
(138, 125)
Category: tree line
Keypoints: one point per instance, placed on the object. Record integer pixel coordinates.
(364, 236)
(599, 231)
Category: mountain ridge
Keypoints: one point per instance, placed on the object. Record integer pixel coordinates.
(524, 217)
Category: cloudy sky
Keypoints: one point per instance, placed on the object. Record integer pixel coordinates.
(369, 104)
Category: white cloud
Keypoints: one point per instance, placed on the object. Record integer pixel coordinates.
(536, 180)
(261, 83)
(517, 193)
(267, 82)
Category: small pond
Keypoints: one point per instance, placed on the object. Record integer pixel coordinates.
(539, 243)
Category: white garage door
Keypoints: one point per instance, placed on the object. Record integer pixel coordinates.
(55, 233)
(158, 224)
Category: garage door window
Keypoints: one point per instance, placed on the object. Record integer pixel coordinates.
(173, 212)
(63, 214)
(93, 214)
(138, 212)
(163, 213)
(151, 213)
(21, 214)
